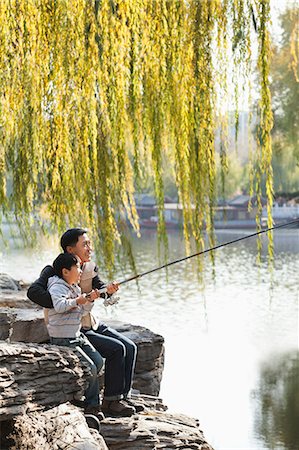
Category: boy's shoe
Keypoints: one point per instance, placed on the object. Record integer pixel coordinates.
(78, 403)
(138, 406)
(92, 421)
(94, 411)
(117, 408)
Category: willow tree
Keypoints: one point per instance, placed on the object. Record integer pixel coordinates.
(97, 93)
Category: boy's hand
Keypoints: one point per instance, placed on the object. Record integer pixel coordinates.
(81, 300)
(91, 296)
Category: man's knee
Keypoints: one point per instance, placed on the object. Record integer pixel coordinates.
(119, 349)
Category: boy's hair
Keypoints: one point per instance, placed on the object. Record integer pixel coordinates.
(64, 261)
(70, 237)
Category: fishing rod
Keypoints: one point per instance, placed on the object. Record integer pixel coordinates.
(135, 277)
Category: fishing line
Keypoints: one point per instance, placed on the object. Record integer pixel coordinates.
(135, 277)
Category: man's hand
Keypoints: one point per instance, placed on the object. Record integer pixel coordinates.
(112, 287)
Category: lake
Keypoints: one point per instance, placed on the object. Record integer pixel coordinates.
(231, 347)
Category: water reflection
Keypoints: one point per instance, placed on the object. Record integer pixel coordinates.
(277, 397)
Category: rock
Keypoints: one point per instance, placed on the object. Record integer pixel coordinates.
(8, 283)
(6, 319)
(27, 325)
(153, 429)
(33, 376)
(59, 428)
(16, 299)
(65, 426)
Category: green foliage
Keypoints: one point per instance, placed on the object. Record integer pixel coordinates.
(285, 169)
(285, 86)
(235, 178)
(95, 94)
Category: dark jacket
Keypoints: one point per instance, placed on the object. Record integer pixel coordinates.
(38, 293)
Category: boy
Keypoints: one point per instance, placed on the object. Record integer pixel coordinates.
(64, 321)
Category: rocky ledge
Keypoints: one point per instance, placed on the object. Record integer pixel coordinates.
(39, 383)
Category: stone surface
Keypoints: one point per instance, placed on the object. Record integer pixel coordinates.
(60, 428)
(33, 376)
(65, 427)
(8, 283)
(16, 299)
(27, 325)
(153, 429)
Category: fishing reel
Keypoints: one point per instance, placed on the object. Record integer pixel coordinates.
(109, 300)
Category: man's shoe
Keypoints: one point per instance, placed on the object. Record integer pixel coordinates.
(138, 406)
(117, 408)
(94, 411)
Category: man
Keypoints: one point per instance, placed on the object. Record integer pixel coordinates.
(119, 351)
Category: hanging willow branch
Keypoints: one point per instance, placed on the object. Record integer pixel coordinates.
(94, 94)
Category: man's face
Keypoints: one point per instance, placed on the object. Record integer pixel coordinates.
(82, 249)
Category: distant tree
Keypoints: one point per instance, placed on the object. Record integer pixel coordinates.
(285, 93)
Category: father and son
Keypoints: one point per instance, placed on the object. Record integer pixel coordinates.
(67, 290)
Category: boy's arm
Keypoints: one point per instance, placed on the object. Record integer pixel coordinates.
(37, 292)
(61, 300)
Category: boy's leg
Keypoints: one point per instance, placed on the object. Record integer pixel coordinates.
(89, 354)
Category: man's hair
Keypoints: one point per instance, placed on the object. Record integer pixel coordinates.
(70, 237)
(64, 261)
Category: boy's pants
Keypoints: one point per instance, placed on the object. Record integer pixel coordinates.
(88, 354)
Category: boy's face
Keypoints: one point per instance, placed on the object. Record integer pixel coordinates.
(72, 275)
(82, 249)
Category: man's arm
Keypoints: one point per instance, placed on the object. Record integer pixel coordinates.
(97, 283)
(37, 292)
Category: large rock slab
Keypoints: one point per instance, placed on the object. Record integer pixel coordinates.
(8, 283)
(16, 299)
(64, 427)
(27, 325)
(153, 429)
(33, 376)
(23, 325)
(60, 428)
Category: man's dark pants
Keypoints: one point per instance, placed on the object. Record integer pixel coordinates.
(120, 354)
